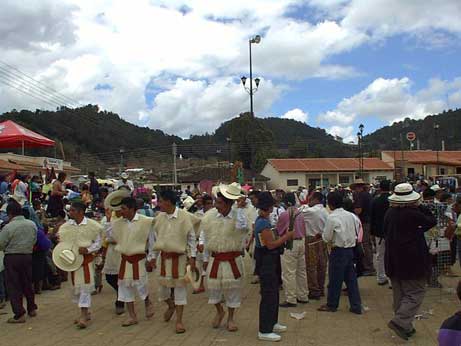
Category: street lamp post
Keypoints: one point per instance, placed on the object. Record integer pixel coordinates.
(360, 143)
(251, 90)
(436, 129)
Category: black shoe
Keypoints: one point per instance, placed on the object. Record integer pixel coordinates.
(302, 301)
(411, 332)
(287, 305)
(398, 330)
(314, 297)
(383, 283)
(354, 311)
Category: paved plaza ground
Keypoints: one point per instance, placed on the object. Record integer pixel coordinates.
(54, 326)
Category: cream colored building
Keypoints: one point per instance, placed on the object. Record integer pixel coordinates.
(423, 162)
(289, 174)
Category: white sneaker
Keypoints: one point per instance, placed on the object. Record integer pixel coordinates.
(279, 328)
(269, 337)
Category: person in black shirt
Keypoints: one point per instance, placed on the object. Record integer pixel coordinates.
(362, 207)
(379, 206)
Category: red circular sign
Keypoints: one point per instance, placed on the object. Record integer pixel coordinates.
(411, 136)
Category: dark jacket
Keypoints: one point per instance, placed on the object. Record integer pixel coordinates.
(379, 207)
(407, 255)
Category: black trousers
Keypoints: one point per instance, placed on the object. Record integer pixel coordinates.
(18, 272)
(112, 279)
(269, 271)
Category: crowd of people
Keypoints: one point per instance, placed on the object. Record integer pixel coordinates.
(309, 244)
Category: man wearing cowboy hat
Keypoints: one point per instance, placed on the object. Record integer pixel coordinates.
(224, 229)
(362, 207)
(79, 239)
(406, 257)
(111, 257)
(175, 242)
(124, 182)
(133, 234)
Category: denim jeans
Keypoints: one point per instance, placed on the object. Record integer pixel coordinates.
(341, 269)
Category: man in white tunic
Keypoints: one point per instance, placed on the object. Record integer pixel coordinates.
(175, 242)
(133, 234)
(86, 235)
(224, 229)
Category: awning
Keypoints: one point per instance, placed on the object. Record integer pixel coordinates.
(13, 135)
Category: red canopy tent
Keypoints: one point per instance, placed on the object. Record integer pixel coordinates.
(13, 135)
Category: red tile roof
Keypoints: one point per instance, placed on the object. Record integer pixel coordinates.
(449, 158)
(328, 165)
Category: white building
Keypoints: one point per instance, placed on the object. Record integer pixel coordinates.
(289, 174)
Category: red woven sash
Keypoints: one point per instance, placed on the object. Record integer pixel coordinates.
(134, 261)
(225, 257)
(174, 256)
(87, 259)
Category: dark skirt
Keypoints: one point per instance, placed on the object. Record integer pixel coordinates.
(39, 266)
(55, 205)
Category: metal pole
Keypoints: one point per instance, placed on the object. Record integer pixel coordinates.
(251, 81)
(175, 176)
(121, 161)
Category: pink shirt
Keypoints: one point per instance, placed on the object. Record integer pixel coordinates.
(284, 222)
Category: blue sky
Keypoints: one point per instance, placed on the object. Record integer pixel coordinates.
(175, 65)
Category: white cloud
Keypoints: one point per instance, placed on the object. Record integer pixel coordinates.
(393, 99)
(345, 132)
(196, 106)
(192, 51)
(296, 114)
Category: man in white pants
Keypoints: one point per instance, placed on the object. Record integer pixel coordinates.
(175, 242)
(133, 234)
(224, 229)
(86, 235)
(379, 206)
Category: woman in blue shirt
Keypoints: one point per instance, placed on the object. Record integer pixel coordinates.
(267, 254)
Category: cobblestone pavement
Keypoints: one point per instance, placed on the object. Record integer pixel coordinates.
(54, 324)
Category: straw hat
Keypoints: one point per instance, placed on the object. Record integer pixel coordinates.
(66, 257)
(404, 193)
(232, 191)
(193, 277)
(114, 199)
(188, 202)
(357, 182)
(436, 188)
(20, 199)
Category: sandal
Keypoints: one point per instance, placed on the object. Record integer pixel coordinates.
(217, 321)
(180, 329)
(81, 324)
(129, 323)
(232, 329)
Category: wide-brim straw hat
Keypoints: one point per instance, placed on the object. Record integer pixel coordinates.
(188, 202)
(193, 277)
(436, 188)
(66, 257)
(232, 191)
(113, 200)
(358, 182)
(403, 194)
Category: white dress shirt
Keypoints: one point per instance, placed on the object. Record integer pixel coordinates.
(315, 218)
(341, 229)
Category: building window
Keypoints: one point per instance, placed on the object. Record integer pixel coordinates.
(458, 170)
(292, 182)
(344, 179)
(411, 172)
(442, 171)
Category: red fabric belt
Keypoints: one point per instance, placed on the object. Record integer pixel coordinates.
(87, 259)
(174, 256)
(134, 261)
(225, 257)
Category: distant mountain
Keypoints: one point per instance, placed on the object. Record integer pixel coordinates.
(428, 138)
(92, 139)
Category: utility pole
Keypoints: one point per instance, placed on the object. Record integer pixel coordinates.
(121, 160)
(175, 174)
